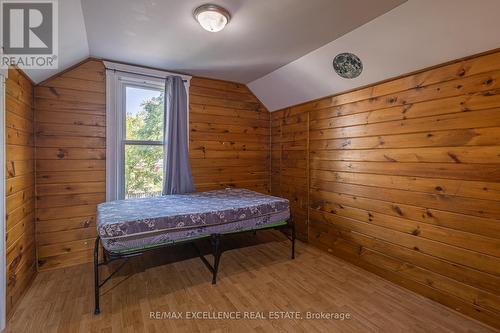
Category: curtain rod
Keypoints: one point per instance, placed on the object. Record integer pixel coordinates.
(148, 75)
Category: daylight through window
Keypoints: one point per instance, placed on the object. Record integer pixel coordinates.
(143, 141)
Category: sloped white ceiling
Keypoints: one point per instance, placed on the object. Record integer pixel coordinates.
(262, 36)
(415, 35)
(285, 47)
(73, 45)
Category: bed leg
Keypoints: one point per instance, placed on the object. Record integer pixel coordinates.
(293, 238)
(217, 253)
(97, 310)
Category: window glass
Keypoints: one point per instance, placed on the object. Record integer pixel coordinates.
(143, 171)
(143, 142)
(144, 114)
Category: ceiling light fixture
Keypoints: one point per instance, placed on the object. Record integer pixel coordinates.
(212, 18)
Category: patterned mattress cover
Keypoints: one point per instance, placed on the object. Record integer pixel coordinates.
(141, 242)
(186, 212)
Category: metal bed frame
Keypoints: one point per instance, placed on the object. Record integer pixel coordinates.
(215, 240)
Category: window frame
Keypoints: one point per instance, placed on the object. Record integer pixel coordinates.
(122, 130)
(118, 77)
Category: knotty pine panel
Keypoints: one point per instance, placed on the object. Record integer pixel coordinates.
(289, 164)
(403, 179)
(70, 127)
(229, 137)
(229, 146)
(20, 187)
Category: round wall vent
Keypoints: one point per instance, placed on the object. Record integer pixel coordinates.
(347, 65)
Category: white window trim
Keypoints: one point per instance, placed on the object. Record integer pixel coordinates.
(118, 75)
(3, 254)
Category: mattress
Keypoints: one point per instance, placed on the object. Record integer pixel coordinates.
(125, 225)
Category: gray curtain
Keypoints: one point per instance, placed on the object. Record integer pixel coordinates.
(176, 167)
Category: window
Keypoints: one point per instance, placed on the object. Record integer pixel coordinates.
(134, 131)
(143, 141)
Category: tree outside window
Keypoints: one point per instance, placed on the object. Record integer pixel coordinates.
(144, 142)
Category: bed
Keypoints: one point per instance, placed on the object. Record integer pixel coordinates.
(129, 228)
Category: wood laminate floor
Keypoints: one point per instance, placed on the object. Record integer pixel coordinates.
(258, 279)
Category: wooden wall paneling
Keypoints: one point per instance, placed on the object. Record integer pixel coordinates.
(20, 187)
(70, 126)
(290, 155)
(229, 146)
(229, 137)
(405, 181)
(401, 178)
(276, 150)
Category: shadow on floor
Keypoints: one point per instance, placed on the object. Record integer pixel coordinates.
(237, 248)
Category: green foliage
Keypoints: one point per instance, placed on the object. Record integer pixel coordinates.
(148, 123)
(144, 164)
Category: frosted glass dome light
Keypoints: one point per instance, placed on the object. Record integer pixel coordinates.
(211, 17)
